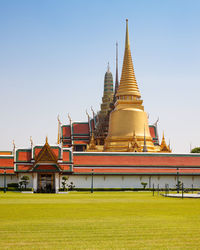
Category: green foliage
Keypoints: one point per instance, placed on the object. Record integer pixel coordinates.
(179, 185)
(64, 182)
(144, 184)
(24, 182)
(71, 186)
(195, 150)
(15, 185)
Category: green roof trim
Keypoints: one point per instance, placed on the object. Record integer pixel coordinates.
(6, 167)
(6, 157)
(35, 169)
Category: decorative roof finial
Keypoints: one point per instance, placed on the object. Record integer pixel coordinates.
(69, 117)
(31, 141)
(13, 142)
(156, 123)
(46, 140)
(163, 136)
(87, 114)
(59, 128)
(92, 144)
(108, 68)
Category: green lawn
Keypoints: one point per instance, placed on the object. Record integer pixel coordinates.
(102, 220)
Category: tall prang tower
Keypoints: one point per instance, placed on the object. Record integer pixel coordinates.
(107, 93)
(128, 123)
(101, 129)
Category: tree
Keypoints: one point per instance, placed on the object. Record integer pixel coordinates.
(144, 184)
(64, 182)
(71, 186)
(195, 150)
(24, 181)
(20, 184)
(179, 185)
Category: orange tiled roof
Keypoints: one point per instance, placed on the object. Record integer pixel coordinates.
(80, 128)
(135, 160)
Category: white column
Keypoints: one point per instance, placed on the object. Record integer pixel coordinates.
(56, 182)
(35, 182)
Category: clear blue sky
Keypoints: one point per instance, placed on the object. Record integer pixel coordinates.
(53, 56)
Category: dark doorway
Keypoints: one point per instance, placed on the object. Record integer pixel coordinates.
(46, 183)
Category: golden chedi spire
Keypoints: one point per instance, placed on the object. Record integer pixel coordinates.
(128, 85)
(128, 115)
(163, 146)
(92, 145)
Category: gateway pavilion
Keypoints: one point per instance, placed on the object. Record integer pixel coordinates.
(116, 148)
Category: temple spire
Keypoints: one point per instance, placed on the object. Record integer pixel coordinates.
(163, 145)
(116, 77)
(128, 85)
(127, 43)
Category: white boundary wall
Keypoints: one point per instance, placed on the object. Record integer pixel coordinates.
(9, 179)
(109, 181)
(130, 181)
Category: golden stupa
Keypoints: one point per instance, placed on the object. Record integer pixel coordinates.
(128, 117)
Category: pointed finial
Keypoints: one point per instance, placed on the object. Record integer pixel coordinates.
(92, 110)
(93, 114)
(108, 68)
(59, 123)
(87, 114)
(92, 144)
(92, 137)
(69, 117)
(58, 118)
(156, 123)
(128, 84)
(127, 44)
(46, 140)
(13, 142)
(31, 141)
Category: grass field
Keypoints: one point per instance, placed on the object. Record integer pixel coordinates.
(102, 220)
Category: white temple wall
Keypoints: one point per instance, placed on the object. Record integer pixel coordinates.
(109, 181)
(9, 179)
(30, 175)
(130, 181)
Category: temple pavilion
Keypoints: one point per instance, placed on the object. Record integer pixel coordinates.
(115, 147)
